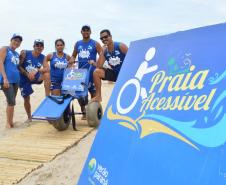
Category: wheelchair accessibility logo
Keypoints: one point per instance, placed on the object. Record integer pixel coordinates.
(75, 75)
(188, 83)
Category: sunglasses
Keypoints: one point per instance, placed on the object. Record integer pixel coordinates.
(104, 37)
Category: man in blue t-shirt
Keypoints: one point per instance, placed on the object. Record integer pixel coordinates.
(86, 50)
(109, 62)
(31, 72)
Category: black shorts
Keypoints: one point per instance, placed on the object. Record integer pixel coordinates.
(10, 93)
(110, 75)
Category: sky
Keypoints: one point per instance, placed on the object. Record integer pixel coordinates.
(128, 20)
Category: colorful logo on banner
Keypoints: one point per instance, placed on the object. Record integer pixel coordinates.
(185, 79)
(97, 172)
(92, 165)
(75, 74)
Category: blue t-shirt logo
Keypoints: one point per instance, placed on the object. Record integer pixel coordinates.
(84, 53)
(14, 60)
(60, 64)
(114, 61)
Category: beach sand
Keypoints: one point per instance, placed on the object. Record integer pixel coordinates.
(65, 169)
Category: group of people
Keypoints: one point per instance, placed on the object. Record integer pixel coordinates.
(32, 67)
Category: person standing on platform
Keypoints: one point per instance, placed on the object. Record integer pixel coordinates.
(87, 50)
(9, 75)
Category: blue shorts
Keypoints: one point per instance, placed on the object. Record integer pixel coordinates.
(91, 86)
(26, 87)
(55, 85)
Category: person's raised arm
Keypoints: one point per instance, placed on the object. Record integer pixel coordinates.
(20, 67)
(74, 55)
(41, 69)
(46, 62)
(101, 59)
(99, 48)
(123, 48)
(99, 51)
(70, 64)
(3, 52)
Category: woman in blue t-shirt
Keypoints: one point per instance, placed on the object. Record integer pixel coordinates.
(9, 75)
(58, 63)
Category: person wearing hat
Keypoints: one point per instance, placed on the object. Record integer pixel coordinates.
(31, 72)
(86, 50)
(109, 63)
(9, 75)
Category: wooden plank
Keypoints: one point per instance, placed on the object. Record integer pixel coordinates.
(11, 171)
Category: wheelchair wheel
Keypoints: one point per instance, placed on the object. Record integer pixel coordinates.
(63, 122)
(94, 114)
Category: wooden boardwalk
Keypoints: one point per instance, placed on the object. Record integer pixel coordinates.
(29, 149)
(26, 151)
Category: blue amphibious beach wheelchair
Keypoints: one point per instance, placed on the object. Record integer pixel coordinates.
(59, 110)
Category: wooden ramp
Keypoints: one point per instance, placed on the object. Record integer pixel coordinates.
(26, 151)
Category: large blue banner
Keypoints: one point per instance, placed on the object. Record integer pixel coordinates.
(165, 122)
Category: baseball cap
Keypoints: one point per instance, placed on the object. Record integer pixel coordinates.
(86, 27)
(39, 41)
(17, 35)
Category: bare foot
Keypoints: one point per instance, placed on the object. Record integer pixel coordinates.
(9, 125)
(96, 98)
(28, 121)
(83, 117)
